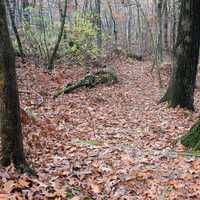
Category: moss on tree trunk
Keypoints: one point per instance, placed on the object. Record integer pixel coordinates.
(192, 138)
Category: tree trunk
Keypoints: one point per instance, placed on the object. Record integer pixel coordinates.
(181, 88)
(14, 27)
(192, 138)
(10, 129)
(166, 27)
(98, 23)
(114, 25)
(53, 55)
(159, 6)
(129, 26)
(26, 12)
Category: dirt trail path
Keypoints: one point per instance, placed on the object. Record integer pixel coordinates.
(115, 142)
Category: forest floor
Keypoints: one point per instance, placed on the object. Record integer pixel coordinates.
(107, 142)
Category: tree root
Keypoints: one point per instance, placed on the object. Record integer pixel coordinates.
(25, 168)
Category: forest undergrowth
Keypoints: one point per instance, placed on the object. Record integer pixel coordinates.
(106, 142)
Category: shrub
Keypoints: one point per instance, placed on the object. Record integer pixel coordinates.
(81, 36)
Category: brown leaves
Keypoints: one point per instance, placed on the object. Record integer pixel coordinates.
(108, 142)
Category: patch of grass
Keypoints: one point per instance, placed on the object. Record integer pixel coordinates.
(88, 198)
(126, 146)
(69, 195)
(189, 153)
(76, 191)
(89, 142)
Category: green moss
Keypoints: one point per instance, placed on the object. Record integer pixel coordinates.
(69, 195)
(107, 75)
(192, 138)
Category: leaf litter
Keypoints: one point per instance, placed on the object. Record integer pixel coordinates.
(108, 142)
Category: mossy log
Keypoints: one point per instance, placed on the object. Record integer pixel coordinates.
(135, 57)
(106, 75)
(192, 138)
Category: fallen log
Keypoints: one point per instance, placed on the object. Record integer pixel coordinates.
(107, 75)
(135, 56)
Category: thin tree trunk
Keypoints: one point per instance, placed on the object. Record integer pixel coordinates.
(52, 58)
(166, 27)
(159, 30)
(114, 24)
(98, 23)
(26, 13)
(139, 31)
(130, 12)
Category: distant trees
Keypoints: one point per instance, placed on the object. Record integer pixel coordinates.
(128, 25)
(182, 84)
(10, 124)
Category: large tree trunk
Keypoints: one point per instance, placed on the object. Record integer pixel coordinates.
(182, 84)
(10, 124)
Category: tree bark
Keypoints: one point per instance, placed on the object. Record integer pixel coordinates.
(53, 55)
(166, 26)
(159, 6)
(26, 13)
(10, 124)
(14, 27)
(98, 23)
(192, 138)
(181, 88)
(114, 25)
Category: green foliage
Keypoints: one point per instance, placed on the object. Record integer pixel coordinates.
(38, 34)
(82, 38)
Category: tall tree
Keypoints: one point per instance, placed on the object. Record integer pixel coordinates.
(114, 27)
(98, 23)
(10, 124)
(166, 27)
(159, 48)
(62, 26)
(181, 88)
(25, 6)
(14, 27)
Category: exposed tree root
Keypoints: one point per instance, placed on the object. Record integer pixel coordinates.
(25, 168)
